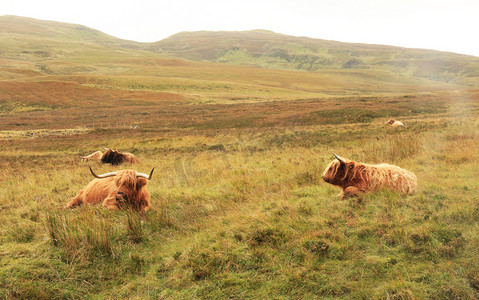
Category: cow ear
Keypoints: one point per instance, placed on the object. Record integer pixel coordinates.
(141, 182)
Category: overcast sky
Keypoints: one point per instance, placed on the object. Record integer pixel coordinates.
(446, 25)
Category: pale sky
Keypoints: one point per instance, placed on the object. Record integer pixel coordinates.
(446, 25)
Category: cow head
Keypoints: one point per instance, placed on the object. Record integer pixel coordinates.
(129, 185)
(338, 171)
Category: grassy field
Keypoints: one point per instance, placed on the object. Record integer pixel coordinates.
(239, 209)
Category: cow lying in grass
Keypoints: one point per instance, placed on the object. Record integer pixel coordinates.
(356, 179)
(111, 156)
(116, 190)
(395, 123)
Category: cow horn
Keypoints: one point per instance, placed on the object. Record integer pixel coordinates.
(339, 158)
(105, 148)
(143, 175)
(106, 175)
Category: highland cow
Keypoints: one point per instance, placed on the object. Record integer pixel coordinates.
(395, 123)
(356, 179)
(116, 190)
(111, 156)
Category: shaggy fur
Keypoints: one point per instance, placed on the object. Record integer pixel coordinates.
(95, 155)
(395, 123)
(124, 190)
(356, 178)
(111, 156)
(116, 157)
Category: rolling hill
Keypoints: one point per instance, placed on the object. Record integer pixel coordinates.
(53, 48)
(51, 66)
(49, 31)
(273, 50)
(47, 66)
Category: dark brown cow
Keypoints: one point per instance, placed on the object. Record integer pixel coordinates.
(111, 156)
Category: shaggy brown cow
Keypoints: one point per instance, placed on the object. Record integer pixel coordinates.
(356, 179)
(116, 190)
(395, 123)
(111, 156)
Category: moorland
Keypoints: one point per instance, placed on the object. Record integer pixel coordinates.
(239, 127)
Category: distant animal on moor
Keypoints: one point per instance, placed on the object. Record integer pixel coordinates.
(395, 123)
(111, 156)
(356, 179)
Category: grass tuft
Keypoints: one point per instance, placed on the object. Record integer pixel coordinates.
(82, 237)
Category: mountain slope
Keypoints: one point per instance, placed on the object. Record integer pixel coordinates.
(37, 50)
(29, 45)
(51, 31)
(269, 49)
(29, 39)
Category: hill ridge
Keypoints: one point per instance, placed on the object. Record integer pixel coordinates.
(276, 50)
(258, 48)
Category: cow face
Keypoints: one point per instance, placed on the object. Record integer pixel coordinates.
(129, 188)
(333, 172)
(337, 171)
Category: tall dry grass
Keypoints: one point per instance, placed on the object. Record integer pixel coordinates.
(244, 213)
(82, 237)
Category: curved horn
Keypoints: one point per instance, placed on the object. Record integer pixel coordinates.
(143, 175)
(339, 158)
(105, 148)
(106, 175)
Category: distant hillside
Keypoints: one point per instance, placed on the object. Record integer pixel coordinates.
(230, 66)
(32, 48)
(29, 40)
(50, 30)
(268, 49)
